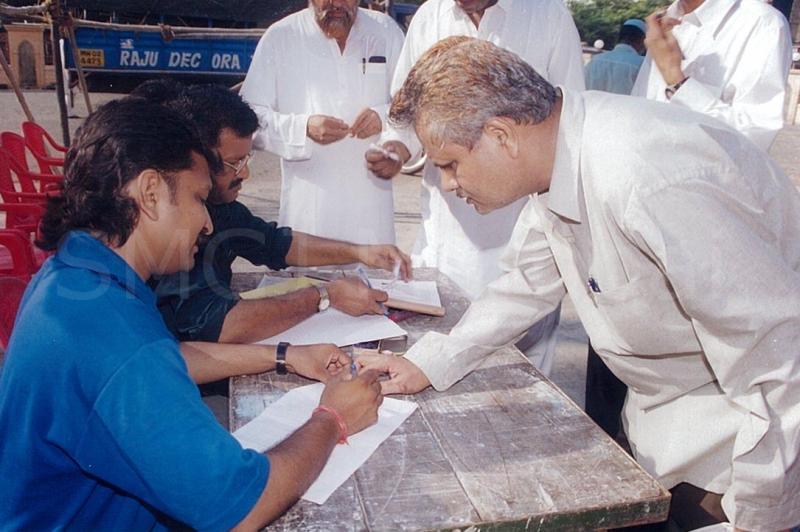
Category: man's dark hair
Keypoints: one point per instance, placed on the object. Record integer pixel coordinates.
(159, 90)
(209, 107)
(117, 142)
(630, 34)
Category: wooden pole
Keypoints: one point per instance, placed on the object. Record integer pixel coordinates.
(12, 78)
(73, 45)
(55, 34)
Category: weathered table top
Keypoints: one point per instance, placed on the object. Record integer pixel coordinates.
(503, 448)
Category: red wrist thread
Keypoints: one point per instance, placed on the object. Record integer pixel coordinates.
(339, 421)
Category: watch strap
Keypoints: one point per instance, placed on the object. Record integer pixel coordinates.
(280, 358)
(324, 298)
(670, 90)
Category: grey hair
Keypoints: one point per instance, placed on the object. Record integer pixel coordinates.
(461, 83)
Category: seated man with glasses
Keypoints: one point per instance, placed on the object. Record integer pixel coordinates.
(199, 305)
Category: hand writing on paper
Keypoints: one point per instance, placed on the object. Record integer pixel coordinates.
(387, 161)
(357, 400)
(326, 129)
(366, 124)
(353, 297)
(404, 376)
(385, 257)
(318, 361)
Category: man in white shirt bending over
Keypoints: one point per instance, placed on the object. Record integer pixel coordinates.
(319, 82)
(453, 238)
(616, 70)
(683, 265)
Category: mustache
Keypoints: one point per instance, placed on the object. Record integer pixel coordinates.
(235, 183)
(324, 16)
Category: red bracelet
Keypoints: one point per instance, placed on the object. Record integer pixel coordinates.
(339, 421)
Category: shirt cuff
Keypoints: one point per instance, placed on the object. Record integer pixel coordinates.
(435, 354)
(696, 96)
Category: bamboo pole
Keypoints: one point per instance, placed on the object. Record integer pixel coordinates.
(12, 78)
(55, 34)
(73, 45)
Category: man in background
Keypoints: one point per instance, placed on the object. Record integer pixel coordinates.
(616, 70)
(319, 82)
(728, 59)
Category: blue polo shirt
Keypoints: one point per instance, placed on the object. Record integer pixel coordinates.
(102, 427)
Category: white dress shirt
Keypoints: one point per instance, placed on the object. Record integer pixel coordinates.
(614, 71)
(737, 54)
(296, 72)
(453, 237)
(684, 268)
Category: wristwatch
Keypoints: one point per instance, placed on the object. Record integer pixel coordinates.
(280, 358)
(324, 300)
(670, 90)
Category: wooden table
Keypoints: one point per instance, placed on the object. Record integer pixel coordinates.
(502, 449)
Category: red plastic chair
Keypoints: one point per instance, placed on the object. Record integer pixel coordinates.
(18, 148)
(25, 218)
(17, 257)
(11, 292)
(19, 186)
(39, 139)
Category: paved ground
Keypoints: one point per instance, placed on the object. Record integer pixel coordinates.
(261, 193)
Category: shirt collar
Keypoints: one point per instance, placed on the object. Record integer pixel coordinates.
(81, 250)
(626, 47)
(504, 5)
(710, 13)
(563, 197)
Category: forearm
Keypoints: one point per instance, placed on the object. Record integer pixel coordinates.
(294, 465)
(309, 250)
(209, 362)
(255, 319)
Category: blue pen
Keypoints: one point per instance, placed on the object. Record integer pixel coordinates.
(353, 368)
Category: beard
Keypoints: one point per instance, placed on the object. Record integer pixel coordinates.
(335, 22)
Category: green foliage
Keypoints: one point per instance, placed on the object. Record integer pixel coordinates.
(600, 19)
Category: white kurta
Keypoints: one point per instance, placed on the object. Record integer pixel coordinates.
(614, 71)
(694, 253)
(454, 238)
(737, 54)
(297, 72)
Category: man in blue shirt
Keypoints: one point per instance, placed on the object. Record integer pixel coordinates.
(103, 427)
(200, 305)
(615, 71)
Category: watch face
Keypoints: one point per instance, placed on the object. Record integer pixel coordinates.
(324, 300)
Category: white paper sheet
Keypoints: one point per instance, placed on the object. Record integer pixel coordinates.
(288, 413)
(335, 327)
(424, 292)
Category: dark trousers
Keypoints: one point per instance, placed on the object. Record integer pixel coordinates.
(605, 395)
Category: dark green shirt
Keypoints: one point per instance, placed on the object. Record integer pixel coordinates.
(194, 304)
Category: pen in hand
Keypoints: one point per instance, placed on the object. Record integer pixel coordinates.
(362, 274)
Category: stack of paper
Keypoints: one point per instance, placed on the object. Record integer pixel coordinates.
(288, 413)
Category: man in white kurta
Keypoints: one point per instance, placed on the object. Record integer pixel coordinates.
(452, 237)
(683, 265)
(728, 59)
(299, 72)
